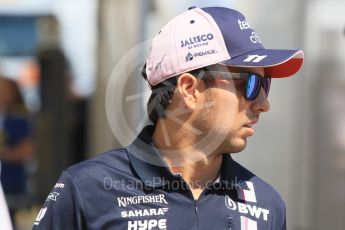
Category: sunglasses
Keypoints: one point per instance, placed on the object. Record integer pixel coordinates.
(253, 85)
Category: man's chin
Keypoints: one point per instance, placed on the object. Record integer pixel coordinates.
(237, 150)
(236, 146)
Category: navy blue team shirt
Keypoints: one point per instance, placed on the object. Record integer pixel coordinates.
(14, 176)
(118, 190)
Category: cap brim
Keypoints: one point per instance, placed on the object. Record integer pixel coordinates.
(276, 63)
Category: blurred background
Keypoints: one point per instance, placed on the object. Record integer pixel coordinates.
(56, 57)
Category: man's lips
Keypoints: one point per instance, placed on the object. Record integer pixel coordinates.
(250, 124)
(249, 127)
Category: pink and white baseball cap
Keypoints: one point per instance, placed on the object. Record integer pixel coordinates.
(201, 37)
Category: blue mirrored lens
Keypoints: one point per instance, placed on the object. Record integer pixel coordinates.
(253, 86)
(266, 84)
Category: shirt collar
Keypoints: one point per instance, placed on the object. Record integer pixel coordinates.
(230, 175)
(154, 172)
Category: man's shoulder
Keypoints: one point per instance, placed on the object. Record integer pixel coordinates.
(83, 187)
(260, 195)
(113, 162)
(264, 191)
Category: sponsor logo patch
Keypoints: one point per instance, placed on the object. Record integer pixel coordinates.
(196, 40)
(189, 57)
(255, 38)
(243, 208)
(59, 185)
(244, 25)
(144, 212)
(147, 224)
(205, 53)
(125, 201)
(254, 58)
(52, 196)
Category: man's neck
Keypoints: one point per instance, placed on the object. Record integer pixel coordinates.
(198, 169)
(198, 175)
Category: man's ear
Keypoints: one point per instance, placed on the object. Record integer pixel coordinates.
(187, 89)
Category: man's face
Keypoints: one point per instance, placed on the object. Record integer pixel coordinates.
(226, 116)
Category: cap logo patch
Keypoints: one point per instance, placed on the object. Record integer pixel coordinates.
(255, 58)
(244, 25)
(196, 39)
(189, 57)
(255, 38)
(205, 53)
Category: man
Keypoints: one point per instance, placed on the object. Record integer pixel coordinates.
(210, 78)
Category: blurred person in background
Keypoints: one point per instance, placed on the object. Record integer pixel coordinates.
(16, 144)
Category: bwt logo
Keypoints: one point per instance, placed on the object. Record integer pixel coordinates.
(196, 40)
(244, 208)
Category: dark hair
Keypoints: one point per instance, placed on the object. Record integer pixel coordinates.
(17, 105)
(162, 93)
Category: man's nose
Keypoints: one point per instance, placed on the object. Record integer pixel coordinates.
(260, 103)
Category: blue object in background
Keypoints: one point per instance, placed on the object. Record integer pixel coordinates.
(18, 35)
(13, 176)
